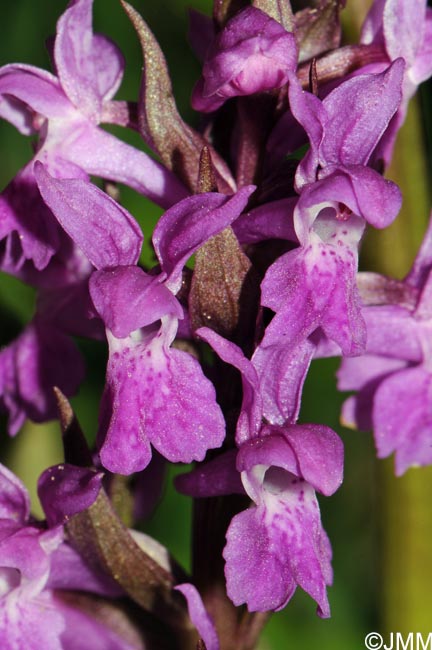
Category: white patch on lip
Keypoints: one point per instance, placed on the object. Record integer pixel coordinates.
(9, 579)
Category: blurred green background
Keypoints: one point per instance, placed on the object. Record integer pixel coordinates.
(380, 527)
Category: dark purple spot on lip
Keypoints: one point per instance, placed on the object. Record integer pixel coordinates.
(148, 353)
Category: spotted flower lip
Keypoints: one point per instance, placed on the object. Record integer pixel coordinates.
(154, 394)
(279, 542)
(252, 54)
(284, 529)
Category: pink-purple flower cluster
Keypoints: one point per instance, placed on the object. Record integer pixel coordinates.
(206, 361)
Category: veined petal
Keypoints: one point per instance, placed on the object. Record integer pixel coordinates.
(402, 418)
(105, 232)
(90, 67)
(189, 224)
(278, 545)
(249, 422)
(282, 367)
(42, 357)
(156, 395)
(126, 298)
(104, 155)
(358, 113)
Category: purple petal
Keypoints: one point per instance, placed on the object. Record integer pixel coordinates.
(254, 573)
(26, 223)
(282, 369)
(422, 67)
(270, 449)
(318, 288)
(379, 199)
(26, 91)
(253, 53)
(309, 111)
(98, 630)
(358, 113)
(42, 357)
(189, 224)
(126, 299)
(372, 29)
(249, 421)
(159, 395)
(403, 22)
(21, 619)
(217, 477)
(24, 549)
(402, 418)
(357, 372)
(90, 67)
(105, 232)
(363, 374)
(393, 332)
(270, 221)
(278, 545)
(319, 452)
(104, 155)
(68, 570)
(193, 421)
(66, 490)
(199, 617)
(361, 189)
(14, 498)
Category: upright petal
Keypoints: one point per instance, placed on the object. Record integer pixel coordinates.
(90, 67)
